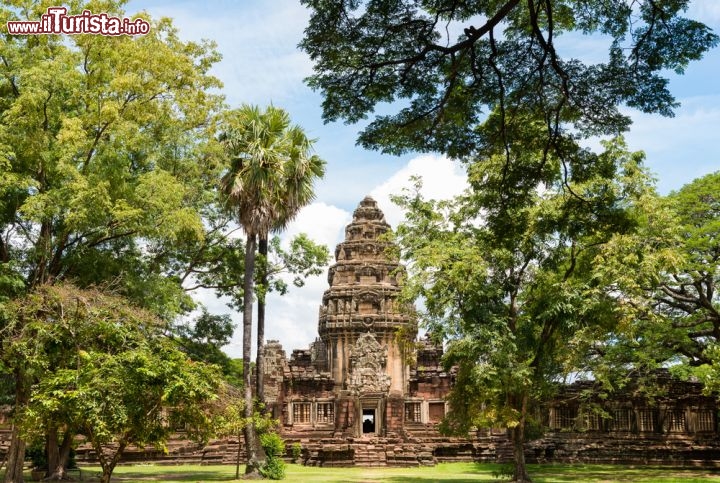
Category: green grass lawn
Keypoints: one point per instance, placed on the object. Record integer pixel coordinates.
(450, 472)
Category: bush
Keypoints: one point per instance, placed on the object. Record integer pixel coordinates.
(274, 446)
(36, 453)
(296, 452)
(274, 469)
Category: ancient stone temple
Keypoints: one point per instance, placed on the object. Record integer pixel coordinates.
(357, 379)
(367, 393)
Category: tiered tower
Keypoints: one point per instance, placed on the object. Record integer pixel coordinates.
(360, 316)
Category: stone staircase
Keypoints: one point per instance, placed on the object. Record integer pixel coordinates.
(504, 451)
(370, 454)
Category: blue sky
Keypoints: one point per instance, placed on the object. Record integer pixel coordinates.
(261, 65)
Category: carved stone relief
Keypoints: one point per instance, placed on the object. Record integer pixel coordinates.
(367, 366)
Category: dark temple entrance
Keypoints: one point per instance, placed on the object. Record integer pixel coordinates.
(368, 421)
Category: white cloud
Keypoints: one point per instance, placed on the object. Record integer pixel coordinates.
(677, 147)
(261, 62)
(442, 178)
(292, 319)
(322, 222)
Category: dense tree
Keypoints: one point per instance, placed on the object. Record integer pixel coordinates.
(688, 297)
(510, 284)
(231, 421)
(101, 140)
(450, 63)
(488, 82)
(666, 275)
(104, 370)
(202, 339)
(106, 165)
(269, 178)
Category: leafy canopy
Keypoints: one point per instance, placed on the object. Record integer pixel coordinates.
(104, 369)
(448, 65)
(666, 275)
(106, 158)
(271, 171)
(509, 282)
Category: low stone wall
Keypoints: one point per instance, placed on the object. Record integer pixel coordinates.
(620, 448)
(554, 446)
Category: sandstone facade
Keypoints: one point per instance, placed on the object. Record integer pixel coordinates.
(367, 393)
(357, 379)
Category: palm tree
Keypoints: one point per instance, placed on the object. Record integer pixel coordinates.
(270, 178)
(301, 171)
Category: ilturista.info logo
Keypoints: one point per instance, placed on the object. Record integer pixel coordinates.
(57, 21)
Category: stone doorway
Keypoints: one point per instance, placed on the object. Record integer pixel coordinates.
(368, 421)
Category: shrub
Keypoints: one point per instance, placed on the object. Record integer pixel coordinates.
(274, 446)
(36, 453)
(296, 452)
(274, 469)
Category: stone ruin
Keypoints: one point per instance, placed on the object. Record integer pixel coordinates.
(367, 393)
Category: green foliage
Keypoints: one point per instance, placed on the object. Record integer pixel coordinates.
(296, 452)
(270, 172)
(269, 177)
(469, 74)
(274, 446)
(7, 387)
(234, 372)
(506, 275)
(104, 369)
(667, 273)
(273, 469)
(232, 420)
(107, 160)
(303, 259)
(109, 163)
(36, 453)
(211, 329)
(203, 339)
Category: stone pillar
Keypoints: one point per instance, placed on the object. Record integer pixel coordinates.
(394, 414)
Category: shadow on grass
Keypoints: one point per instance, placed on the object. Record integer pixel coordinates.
(488, 473)
(160, 476)
(611, 473)
(211, 474)
(442, 473)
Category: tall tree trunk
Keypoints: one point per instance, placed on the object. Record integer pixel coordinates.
(260, 361)
(15, 459)
(52, 450)
(108, 464)
(249, 430)
(520, 474)
(57, 470)
(237, 461)
(16, 453)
